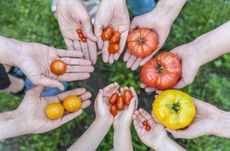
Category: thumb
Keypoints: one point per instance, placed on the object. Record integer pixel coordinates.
(180, 84)
(132, 105)
(99, 98)
(87, 26)
(187, 134)
(38, 90)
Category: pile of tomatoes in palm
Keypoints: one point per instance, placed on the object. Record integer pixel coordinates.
(118, 101)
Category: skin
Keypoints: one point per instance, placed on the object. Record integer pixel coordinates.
(34, 60)
(30, 118)
(197, 53)
(160, 19)
(116, 16)
(156, 138)
(70, 19)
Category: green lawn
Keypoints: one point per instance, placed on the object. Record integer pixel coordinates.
(32, 20)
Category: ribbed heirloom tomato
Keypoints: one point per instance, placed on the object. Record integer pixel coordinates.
(174, 109)
(142, 42)
(54, 111)
(58, 67)
(161, 72)
(72, 103)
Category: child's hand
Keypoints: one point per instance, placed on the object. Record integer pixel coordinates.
(102, 102)
(155, 136)
(124, 117)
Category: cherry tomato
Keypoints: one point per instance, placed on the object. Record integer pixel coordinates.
(54, 111)
(107, 33)
(142, 42)
(127, 96)
(113, 48)
(162, 72)
(120, 103)
(58, 67)
(145, 123)
(148, 128)
(113, 99)
(115, 37)
(79, 31)
(84, 39)
(113, 110)
(81, 35)
(72, 103)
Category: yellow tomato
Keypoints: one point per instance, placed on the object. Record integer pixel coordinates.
(72, 103)
(54, 111)
(174, 109)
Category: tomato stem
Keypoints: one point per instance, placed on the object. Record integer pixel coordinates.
(176, 107)
(140, 40)
(160, 69)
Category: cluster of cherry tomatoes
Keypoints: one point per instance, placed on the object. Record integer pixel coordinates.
(56, 110)
(113, 37)
(58, 67)
(81, 35)
(145, 123)
(117, 102)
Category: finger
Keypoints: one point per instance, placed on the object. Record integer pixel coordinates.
(145, 114)
(75, 61)
(136, 64)
(99, 98)
(139, 116)
(159, 91)
(149, 90)
(145, 60)
(134, 94)
(105, 52)
(74, 92)
(127, 56)
(134, 24)
(86, 96)
(137, 126)
(77, 46)
(122, 44)
(68, 117)
(187, 134)
(38, 90)
(142, 85)
(69, 44)
(73, 76)
(79, 69)
(85, 50)
(92, 51)
(71, 53)
(180, 84)
(131, 60)
(135, 118)
(85, 104)
(111, 58)
(132, 105)
(98, 32)
(88, 30)
(112, 88)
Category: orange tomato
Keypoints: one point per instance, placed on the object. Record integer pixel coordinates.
(107, 33)
(79, 31)
(113, 110)
(113, 98)
(113, 48)
(84, 39)
(58, 67)
(54, 111)
(72, 103)
(145, 123)
(127, 96)
(120, 103)
(115, 37)
(148, 128)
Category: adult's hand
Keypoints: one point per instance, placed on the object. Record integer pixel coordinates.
(71, 15)
(115, 14)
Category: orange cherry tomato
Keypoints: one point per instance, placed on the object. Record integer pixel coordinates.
(84, 39)
(113, 99)
(115, 37)
(120, 103)
(145, 123)
(81, 35)
(72, 103)
(127, 96)
(113, 48)
(79, 31)
(113, 110)
(54, 111)
(58, 67)
(107, 33)
(148, 128)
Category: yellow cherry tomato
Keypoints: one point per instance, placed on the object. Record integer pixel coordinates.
(174, 109)
(72, 103)
(54, 111)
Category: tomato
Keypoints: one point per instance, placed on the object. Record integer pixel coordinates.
(107, 33)
(113, 48)
(174, 109)
(145, 123)
(79, 31)
(113, 99)
(162, 72)
(81, 35)
(54, 111)
(127, 96)
(142, 42)
(84, 39)
(115, 37)
(72, 103)
(120, 103)
(147, 127)
(113, 110)
(58, 67)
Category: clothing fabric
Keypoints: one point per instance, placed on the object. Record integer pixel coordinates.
(4, 78)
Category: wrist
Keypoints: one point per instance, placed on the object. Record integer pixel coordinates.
(104, 122)
(159, 142)
(222, 125)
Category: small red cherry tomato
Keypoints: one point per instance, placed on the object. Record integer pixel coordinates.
(127, 96)
(145, 123)
(84, 39)
(113, 99)
(148, 128)
(79, 31)
(120, 103)
(107, 33)
(113, 48)
(115, 37)
(81, 35)
(113, 110)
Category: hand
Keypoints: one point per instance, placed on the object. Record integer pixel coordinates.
(115, 14)
(124, 117)
(72, 15)
(206, 122)
(153, 20)
(153, 138)
(35, 59)
(101, 105)
(32, 110)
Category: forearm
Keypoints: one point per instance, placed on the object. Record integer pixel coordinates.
(122, 139)
(223, 125)
(211, 45)
(9, 51)
(93, 136)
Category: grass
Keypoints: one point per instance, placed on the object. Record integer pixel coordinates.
(33, 21)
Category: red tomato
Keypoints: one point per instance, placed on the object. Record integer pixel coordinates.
(107, 33)
(145, 123)
(81, 35)
(113, 48)
(120, 103)
(84, 39)
(79, 30)
(113, 110)
(142, 42)
(161, 72)
(115, 37)
(113, 98)
(58, 67)
(127, 96)
(148, 128)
